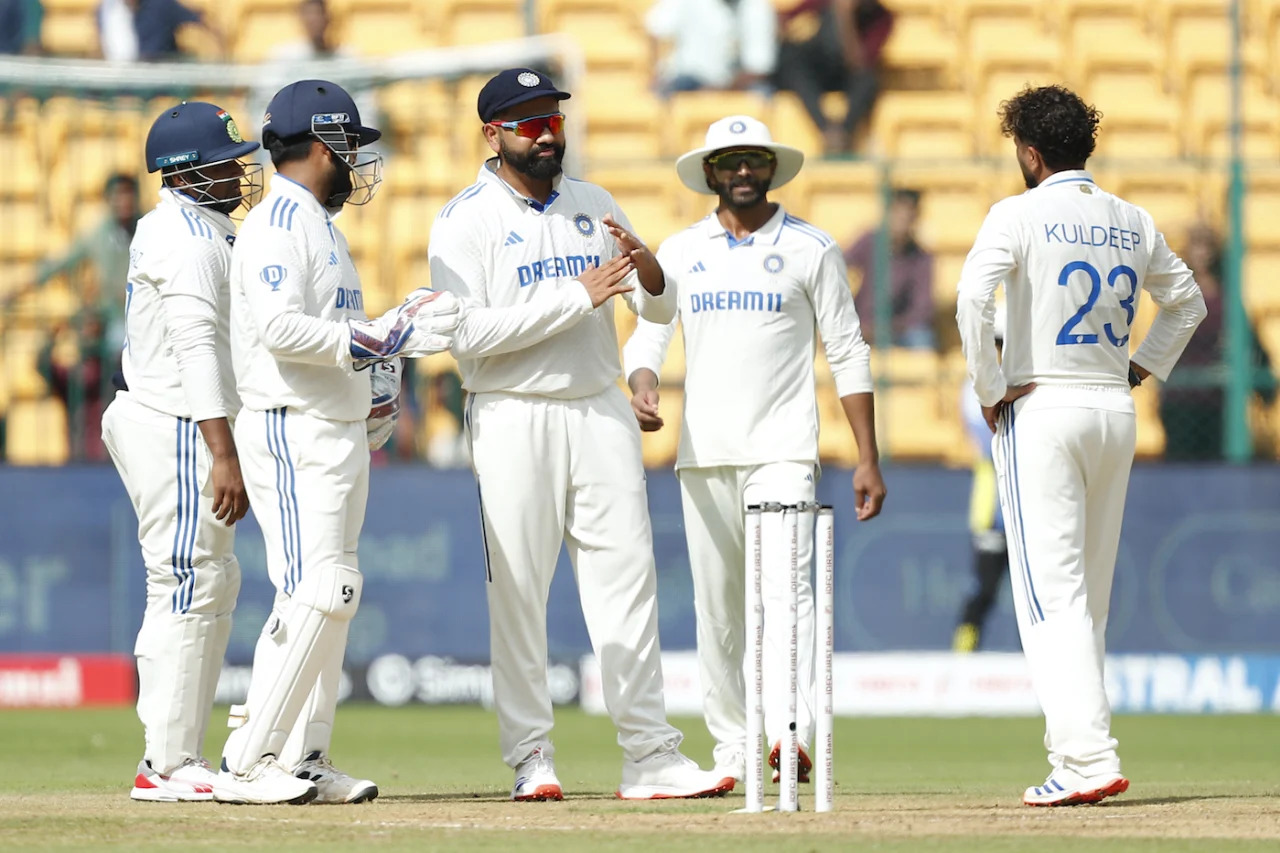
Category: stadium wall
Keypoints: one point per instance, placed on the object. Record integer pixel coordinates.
(1198, 573)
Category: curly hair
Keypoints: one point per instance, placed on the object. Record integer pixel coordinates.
(1053, 120)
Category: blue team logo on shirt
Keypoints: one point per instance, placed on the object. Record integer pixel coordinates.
(584, 225)
(773, 263)
(273, 275)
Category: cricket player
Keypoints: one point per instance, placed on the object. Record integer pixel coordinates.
(755, 284)
(986, 524)
(1073, 259)
(170, 437)
(299, 332)
(536, 257)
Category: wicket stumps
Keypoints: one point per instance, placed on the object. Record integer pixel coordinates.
(824, 602)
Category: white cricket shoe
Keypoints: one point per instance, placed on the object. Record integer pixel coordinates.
(669, 774)
(1068, 788)
(334, 787)
(265, 783)
(731, 761)
(191, 782)
(536, 780)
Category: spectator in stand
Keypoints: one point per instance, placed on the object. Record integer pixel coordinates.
(834, 46)
(714, 44)
(103, 252)
(319, 44)
(20, 27)
(147, 30)
(82, 382)
(910, 279)
(1191, 407)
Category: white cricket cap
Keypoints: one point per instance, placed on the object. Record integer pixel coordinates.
(738, 132)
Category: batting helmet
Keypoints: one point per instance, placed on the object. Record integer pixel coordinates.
(194, 133)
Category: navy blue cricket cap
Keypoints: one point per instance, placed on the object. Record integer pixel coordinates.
(303, 106)
(515, 86)
(194, 133)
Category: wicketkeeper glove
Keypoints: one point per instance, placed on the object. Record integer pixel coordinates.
(421, 325)
(384, 409)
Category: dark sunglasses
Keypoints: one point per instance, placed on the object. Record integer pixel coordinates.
(731, 161)
(533, 126)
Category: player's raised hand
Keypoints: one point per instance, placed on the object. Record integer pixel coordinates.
(230, 501)
(605, 280)
(868, 490)
(645, 404)
(627, 242)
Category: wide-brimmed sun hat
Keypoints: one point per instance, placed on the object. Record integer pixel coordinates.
(738, 132)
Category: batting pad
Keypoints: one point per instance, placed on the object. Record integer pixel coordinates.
(297, 642)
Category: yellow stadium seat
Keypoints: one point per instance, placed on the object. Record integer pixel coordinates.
(843, 199)
(999, 85)
(1062, 16)
(910, 425)
(946, 275)
(1150, 430)
(608, 36)
(1262, 211)
(23, 179)
(385, 30)
(924, 125)
(1174, 197)
(23, 223)
(1111, 41)
(70, 33)
(919, 44)
(1208, 118)
(659, 449)
(37, 432)
(477, 23)
(618, 129)
(1262, 283)
(954, 203)
(1199, 44)
(1011, 45)
(789, 124)
(1136, 112)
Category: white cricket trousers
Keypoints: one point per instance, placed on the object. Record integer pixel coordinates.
(715, 500)
(568, 471)
(308, 483)
(193, 578)
(1063, 456)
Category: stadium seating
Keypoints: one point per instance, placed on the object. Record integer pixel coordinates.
(1158, 70)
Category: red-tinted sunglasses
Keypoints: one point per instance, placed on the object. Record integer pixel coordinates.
(534, 126)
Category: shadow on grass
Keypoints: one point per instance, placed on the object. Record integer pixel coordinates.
(488, 797)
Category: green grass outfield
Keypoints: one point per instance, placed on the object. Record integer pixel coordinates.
(1199, 783)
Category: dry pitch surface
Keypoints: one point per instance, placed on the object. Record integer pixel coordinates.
(1200, 783)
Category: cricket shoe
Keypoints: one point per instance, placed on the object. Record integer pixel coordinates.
(1067, 788)
(668, 774)
(334, 787)
(536, 780)
(191, 782)
(803, 764)
(265, 783)
(733, 762)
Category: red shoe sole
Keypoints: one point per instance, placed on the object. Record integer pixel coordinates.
(542, 794)
(725, 786)
(1097, 795)
(804, 764)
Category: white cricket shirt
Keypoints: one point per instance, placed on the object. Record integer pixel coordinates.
(750, 310)
(293, 288)
(529, 327)
(1074, 260)
(177, 352)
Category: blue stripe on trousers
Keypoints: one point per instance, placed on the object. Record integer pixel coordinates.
(1035, 609)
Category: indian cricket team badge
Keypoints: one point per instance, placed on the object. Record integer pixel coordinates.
(1086, 189)
(738, 127)
(586, 227)
(773, 263)
(528, 79)
(232, 130)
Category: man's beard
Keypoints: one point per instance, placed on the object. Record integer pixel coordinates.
(1028, 178)
(727, 198)
(340, 187)
(530, 164)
